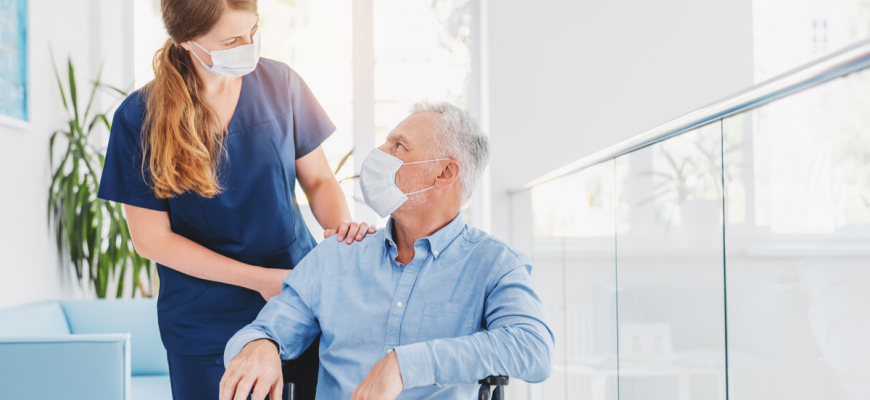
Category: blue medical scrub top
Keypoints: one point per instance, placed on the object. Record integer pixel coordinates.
(255, 219)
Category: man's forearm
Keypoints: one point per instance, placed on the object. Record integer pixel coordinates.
(285, 320)
(517, 342)
(238, 342)
(523, 351)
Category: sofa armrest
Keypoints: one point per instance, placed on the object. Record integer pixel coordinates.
(93, 367)
(136, 316)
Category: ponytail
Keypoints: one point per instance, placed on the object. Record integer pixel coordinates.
(182, 137)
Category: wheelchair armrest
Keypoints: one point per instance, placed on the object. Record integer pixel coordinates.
(494, 380)
(498, 381)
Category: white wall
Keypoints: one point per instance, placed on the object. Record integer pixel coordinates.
(29, 270)
(569, 78)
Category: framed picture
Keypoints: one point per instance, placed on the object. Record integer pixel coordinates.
(13, 63)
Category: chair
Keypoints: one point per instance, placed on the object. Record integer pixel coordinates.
(94, 350)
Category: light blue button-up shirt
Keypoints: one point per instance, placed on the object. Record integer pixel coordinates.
(461, 310)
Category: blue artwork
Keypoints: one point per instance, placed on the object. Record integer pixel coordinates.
(13, 59)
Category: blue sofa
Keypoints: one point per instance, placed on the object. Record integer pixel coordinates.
(94, 350)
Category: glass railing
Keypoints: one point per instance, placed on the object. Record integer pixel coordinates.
(724, 255)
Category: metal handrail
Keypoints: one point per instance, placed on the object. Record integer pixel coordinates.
(838, 64)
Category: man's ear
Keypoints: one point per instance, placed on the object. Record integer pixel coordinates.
(449, 174)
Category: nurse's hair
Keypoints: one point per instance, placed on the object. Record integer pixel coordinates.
(182, 137)
(458, 136)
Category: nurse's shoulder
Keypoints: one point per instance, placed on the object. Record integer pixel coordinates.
(131, 113)
(277, 71)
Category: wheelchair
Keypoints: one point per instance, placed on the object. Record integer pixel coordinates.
(300, 378)
(483, 394)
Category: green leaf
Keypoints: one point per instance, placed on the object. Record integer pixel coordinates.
(102, 278)
(93, 92)
(98, 229)
(120, 292)
(99, 118)
(51, 149)
(69, 207)
(136, 262)
(349, 177)
(54, 196)
(72, 91)
(57, 76)
(112, 88)
(343, 161)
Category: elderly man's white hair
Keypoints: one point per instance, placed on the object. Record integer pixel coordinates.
(458, 136)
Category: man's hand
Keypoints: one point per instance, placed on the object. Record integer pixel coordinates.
(257, 367)
(384, 381)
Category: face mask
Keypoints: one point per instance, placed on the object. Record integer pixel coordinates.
(235, 62)
(378, 182)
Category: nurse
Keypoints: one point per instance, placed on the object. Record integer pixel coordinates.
(204, 159)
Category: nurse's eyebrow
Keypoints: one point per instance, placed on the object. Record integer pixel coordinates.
(254, 29)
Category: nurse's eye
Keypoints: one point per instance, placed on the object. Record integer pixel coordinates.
(232, 43)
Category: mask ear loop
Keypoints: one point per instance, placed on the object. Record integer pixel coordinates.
(420, 162)
(420, 191)
(203, 48)
(197, 57)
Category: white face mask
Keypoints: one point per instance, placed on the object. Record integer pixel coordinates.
(235, 62)
(378, 182)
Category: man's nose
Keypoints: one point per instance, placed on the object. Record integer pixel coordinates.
(386, 148)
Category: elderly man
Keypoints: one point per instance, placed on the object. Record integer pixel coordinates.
(423, 308)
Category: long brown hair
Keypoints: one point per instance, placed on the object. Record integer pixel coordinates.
(182, 134)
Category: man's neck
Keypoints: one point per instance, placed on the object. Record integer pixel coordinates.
(406, 231)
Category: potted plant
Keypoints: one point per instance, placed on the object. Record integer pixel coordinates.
(91, 234)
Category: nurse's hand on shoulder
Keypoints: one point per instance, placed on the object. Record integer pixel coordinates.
(350, 231)
(257, 367)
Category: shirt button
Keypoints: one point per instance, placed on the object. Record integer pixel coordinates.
(399, 304)
(435, 252)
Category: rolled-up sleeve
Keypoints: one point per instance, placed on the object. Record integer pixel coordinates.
(288, 319)
(517, 342)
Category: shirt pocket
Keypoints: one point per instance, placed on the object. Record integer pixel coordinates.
(445, 320)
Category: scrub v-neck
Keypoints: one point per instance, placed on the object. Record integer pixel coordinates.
(238, 103)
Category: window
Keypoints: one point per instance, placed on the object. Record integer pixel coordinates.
(421, 53)
(820, 36)
(790, 33)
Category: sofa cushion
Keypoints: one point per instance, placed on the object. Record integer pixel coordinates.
(39, 319)
(154, 387)
(136, 316)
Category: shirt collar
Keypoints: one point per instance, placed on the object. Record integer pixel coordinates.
(438, 241)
